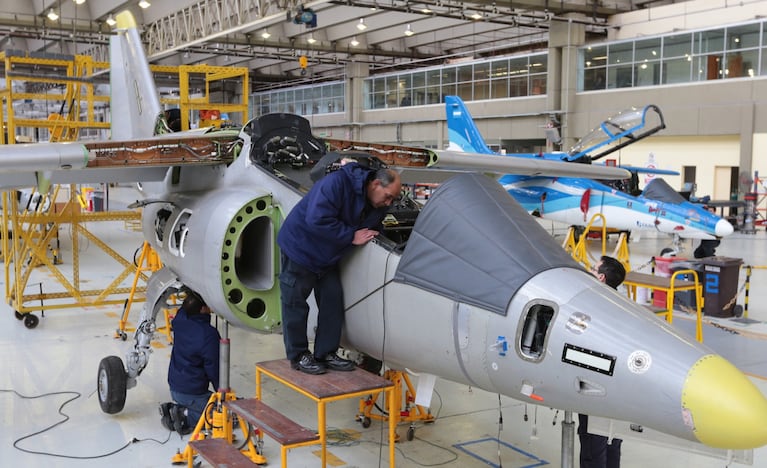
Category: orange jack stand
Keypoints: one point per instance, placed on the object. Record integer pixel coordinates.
(218, 422)
(148, 261)
(409, 412)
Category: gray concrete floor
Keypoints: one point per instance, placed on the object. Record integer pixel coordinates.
(51, 415)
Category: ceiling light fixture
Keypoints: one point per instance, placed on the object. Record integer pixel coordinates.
(426, 10)
(52, 15)
(476, 16)
(144, 4)
(79, 2)
(186, 54)
(409, 31)
(311, 39)
(266, 34)
(354, 42)
(111, 20)
(361, 25)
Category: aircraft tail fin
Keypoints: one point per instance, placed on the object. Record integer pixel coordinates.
(462, 132)
(136, 110)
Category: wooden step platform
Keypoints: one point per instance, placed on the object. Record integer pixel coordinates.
(219, 453)
(283, 430)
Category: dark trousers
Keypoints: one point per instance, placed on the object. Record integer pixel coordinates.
(595, 451)
(296, 283)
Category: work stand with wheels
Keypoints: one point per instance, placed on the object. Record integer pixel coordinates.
(407, 410)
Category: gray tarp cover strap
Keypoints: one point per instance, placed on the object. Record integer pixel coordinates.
(473, 243)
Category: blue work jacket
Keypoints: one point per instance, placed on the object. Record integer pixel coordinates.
(320, 229)
(194, 358)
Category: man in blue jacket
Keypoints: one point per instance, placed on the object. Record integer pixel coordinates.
(343, 209)
(194, 364)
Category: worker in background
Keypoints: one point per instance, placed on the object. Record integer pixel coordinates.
(194, 365)
(343, 209)
(596, 452)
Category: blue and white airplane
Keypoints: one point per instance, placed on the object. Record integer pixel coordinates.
(574, 201)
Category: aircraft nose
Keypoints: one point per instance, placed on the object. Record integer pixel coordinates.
(723, 228)
(726, 409)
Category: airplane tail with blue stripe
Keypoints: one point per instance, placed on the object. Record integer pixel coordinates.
(461, 130)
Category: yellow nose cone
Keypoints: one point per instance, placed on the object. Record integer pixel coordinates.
(725, 408)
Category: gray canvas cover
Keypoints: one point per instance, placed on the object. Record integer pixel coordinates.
(659, 189)
(473, 243)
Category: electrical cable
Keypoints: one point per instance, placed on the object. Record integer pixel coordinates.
(75, 396)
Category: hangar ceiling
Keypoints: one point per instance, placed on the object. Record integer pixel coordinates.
(265, 36)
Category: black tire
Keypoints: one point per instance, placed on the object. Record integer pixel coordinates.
(111, 384)
(18, 315)
(366, 422)
(31, 321)
(410, 433)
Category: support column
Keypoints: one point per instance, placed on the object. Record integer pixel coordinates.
(746, 159)
(355, 97)
(564, 39)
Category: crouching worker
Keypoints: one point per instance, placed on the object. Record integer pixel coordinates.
(194, 363)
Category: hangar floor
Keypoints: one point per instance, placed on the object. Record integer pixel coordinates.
(51, 415)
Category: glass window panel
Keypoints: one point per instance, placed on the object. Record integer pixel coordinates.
(379, 85)
(446, 90)
(677, 46)
(465, 73)
(481, 71)
(619, 77)
(405, 81)
(741, 64)
(433, 95)
(499, 88)
(482, 89)
(499, 69)
(677, 70)
(464, 91)
(518, 86)
(539, 64)
(709, 41)
(419, 79)
(595, 56)
(433, 77)
(518, 67)
(391, 84)
(647, 73)
(448, 75)
(743, 37)
(594, 79)
(537, 85)
(647, 50)
(622, 53)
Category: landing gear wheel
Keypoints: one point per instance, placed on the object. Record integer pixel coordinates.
(18, 315)
(365, 422)
(410, 433)
(31, 321)
(112, 384)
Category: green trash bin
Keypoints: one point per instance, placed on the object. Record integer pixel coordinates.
(720, 285)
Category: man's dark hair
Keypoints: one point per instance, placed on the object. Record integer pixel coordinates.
(193, 303)
(613, 270)
(386, 176)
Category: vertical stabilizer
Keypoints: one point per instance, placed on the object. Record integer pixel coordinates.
(135, 101)
(462, 132)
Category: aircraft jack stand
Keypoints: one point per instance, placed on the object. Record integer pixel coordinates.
(409, 413)
(217, 422)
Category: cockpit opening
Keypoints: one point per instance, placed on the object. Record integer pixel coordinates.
(534, 331)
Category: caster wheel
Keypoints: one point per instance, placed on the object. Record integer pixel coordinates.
(18, 315)
(366, 422)
(112, 384)
(410, 433)
(31, 321)
(123, 336)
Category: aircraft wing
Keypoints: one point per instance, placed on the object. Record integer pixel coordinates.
(522, 166)
(648, 170)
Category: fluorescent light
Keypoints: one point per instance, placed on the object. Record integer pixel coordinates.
(144, 4)
(426, 10)
(409, 31)
(266, 34)
(311, 39)
(354, 42)
(361, 25)
(52, 15)
(111, 20)
(79, 2)
(476, 16)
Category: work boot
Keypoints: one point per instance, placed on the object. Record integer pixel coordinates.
(335, 362)
(165, 416)
(179, 420)
(308, 364)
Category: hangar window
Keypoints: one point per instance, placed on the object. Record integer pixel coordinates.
(534, 331)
